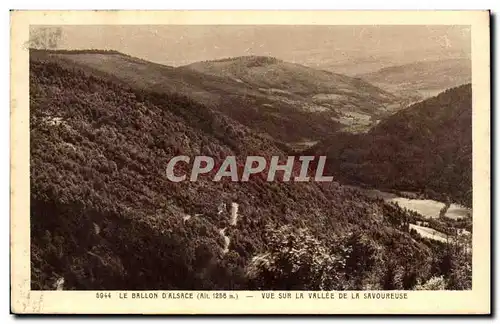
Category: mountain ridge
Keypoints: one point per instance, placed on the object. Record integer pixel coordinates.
(291, 104)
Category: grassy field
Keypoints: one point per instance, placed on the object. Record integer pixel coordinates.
(427, 208)
(429, 233)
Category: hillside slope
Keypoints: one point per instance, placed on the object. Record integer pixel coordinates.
(421, 80)
(356, 103)
(426, 147)
(104, 215)
(249, 106)
(288, 102)
(273, 73)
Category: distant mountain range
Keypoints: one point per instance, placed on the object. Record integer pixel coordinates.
(422, 79)
(289, 102)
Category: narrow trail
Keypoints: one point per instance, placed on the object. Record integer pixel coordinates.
(59, 285)
(232, 222)
(234, 214)
(227, 240)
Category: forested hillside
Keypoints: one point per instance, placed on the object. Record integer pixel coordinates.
(104, 215)
(424, 148)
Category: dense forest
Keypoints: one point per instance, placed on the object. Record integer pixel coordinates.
(104, 215)
(424, 148)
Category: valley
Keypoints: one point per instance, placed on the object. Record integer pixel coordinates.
(427, 209)
(104, 214)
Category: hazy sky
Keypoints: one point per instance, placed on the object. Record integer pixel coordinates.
(324, 46)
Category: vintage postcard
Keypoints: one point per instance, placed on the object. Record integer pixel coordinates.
(250, 162)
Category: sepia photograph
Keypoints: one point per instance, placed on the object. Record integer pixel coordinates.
(225, 158)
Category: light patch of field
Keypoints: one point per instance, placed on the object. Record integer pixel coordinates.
(343, 121)
(353, 119)
(314, 108)
(275, 91)
(307, 143)
(385, 96)
(428, 93)
(425, 207)
(456, 212)
(429, 233)
(329, 96)
(300, 146)
(393, 106)
(304, 106)
(346, 90)
(358, 116)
